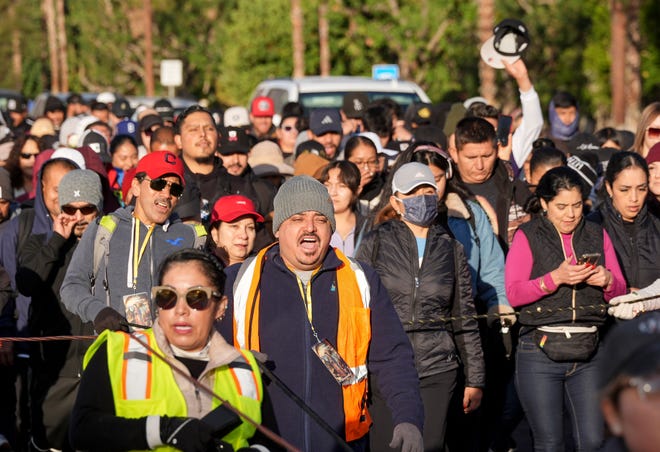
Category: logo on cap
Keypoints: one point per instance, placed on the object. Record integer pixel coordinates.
(232, 135)
(357, 105)
(76, 193)
(424, 113)
(263, 105)
(326, 120)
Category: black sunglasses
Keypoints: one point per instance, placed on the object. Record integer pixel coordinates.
(85, 210)
(27, 155)
(198, 298)
(176, 190)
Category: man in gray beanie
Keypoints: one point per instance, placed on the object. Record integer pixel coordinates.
(81, 201)
(43, 263)
(326, 322)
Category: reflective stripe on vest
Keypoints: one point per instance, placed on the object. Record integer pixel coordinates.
(238, 382)
(136, 371)
(244, 378)
(353, 330)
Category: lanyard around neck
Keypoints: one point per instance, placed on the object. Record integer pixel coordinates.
(138, 251)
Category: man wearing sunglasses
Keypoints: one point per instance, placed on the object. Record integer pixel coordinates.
(113, 268)
(43, 263)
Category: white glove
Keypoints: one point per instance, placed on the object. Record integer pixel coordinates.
(626, 306)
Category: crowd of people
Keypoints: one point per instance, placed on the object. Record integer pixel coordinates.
(360, 278)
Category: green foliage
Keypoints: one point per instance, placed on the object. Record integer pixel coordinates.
(255, 43)
(229, 46)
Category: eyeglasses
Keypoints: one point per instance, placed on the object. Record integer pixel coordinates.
(653, 132)
(85, 210)
(645, 386)
(176, 190)
(288, 128)
(198, 298)
(27, 155)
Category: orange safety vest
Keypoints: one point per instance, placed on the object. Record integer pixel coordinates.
(353, 331)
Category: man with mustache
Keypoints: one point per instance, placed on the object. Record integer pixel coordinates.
(56, 366)
(111, 275)
(325, 322)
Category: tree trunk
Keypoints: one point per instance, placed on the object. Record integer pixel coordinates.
(49, 15)
(148, 50)
(633, 63)
(486, 22)
(617, 65)
(16, 55)
(297, 38)
(61, 47)
(324, 44)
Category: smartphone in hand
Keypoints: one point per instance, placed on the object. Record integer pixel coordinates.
(589, 258)
(504, 129)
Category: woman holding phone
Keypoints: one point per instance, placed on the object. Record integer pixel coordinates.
(635, 232)
(561, 309)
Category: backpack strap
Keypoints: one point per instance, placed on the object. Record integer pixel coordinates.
(107, 226)
(200, 236)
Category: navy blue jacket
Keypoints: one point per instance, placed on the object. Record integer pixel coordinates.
(286, 337)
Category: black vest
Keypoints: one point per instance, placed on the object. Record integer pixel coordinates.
(637, 244)
(576, 302)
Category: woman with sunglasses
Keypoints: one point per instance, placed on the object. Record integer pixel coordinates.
(132, 398)
(648, 129)
(233, 228)
(20, 165)
(634, 231)
(426, 274)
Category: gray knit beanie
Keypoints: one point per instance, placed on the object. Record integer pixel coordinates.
(81, 185)
(300, 194)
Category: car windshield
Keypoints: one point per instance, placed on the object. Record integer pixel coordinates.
(311, 101)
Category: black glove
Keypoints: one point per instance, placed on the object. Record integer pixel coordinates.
(109, 319)
(187, 434)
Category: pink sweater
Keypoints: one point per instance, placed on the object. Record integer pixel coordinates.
(521, 291)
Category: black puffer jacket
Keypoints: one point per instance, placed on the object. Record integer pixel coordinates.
(422, 296)
(637, 244)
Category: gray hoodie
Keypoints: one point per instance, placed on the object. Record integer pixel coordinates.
(76, 292)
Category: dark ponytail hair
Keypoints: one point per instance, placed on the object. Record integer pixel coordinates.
(554, 181)
(211, 268)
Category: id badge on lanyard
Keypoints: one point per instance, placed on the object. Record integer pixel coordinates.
(323, 349)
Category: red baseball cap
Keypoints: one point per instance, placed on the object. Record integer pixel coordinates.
(161, 163)
(230, 207)
(262, 106)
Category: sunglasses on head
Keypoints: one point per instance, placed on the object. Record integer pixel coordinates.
(176, 190)
(198, 298)
(653, 132)
(27, 155)
(85, 210)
